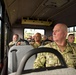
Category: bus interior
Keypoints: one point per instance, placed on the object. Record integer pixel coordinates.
(19, 15)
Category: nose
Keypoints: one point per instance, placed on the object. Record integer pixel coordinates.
(54, 32)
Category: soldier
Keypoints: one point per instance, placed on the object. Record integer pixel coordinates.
(37, 38)
(14, 41)
(64, 47)
(71, 38)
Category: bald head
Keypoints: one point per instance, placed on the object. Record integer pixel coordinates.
(59, 32)
(62, 26)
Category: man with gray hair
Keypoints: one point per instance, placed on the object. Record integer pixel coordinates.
(67, 50)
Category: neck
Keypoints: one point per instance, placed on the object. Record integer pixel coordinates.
(38, 42)
(61, 43)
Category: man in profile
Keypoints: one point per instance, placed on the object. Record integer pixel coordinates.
(60, 43)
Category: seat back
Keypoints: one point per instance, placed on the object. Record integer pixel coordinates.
(53, 70)
(15, 55)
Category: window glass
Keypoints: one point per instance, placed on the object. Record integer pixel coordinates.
(71, 29)
(31, 32)
(0, 10)
(75, 28)
(68, 29)
(0, 40)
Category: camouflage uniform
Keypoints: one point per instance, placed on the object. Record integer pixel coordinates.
(50, 59)
(12, 43)
(35, 45)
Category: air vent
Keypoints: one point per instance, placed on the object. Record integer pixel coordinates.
(56, 3)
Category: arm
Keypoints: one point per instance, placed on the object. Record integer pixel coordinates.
(11, 44)
(40, 61)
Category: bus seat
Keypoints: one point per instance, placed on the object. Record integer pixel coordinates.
(23, 42)
(63, 69)
(15, 55)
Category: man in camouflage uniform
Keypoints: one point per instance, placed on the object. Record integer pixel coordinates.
(71, 39)
(67, 50)
(37, 39)
(14, 41)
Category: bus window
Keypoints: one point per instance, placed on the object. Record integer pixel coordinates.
(0, 35)
(0, 40)
(31, 32)
(75, 28)
(73, 31)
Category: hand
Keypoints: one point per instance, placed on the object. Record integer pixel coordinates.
(18, 43)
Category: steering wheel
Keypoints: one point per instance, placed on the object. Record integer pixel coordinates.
(39, 50)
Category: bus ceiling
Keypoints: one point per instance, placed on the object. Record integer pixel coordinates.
(41, 10)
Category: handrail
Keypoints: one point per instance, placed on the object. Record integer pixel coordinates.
(39, 50)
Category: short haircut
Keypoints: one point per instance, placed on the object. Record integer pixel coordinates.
(64, 26)
(16, 35)
(71, 35)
